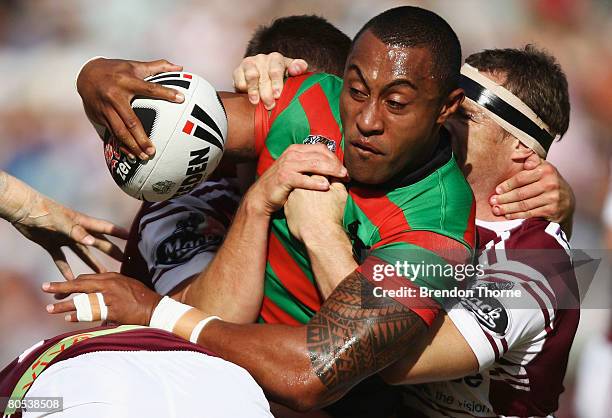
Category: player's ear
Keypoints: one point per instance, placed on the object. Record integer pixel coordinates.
(451, 104)
(520, 152)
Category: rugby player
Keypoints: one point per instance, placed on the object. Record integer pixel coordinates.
(336, 254)
(53, 226)
(397, 172)
(522, 344)
(516, 103)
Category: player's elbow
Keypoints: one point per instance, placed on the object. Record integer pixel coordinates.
(309, 396)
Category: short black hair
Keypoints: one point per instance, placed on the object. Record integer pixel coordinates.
(409, 26)
(313, 38)
(535, 77)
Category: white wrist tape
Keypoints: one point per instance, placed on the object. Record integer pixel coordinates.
(167, 313)
(195, 334)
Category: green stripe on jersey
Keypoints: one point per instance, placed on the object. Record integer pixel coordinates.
(441, 202)
(424, 268)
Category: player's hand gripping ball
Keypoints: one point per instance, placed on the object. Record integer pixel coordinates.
(189, 138)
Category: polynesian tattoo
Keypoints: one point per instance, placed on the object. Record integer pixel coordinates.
(356, 334)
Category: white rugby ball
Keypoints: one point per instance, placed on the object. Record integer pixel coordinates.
(189, 138)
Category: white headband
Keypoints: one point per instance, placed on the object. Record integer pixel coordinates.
(510, 112)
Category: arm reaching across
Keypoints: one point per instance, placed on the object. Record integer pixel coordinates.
(262, 76)
(107, 87)
(537, 191)
(232, 285)
(304, 367)
(53, 226)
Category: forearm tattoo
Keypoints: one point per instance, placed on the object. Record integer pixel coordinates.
(355, 334)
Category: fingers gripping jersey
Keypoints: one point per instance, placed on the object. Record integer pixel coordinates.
(522, 343)
(174, 240)
(429, 214)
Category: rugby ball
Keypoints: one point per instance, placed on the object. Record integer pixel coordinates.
(189, 138)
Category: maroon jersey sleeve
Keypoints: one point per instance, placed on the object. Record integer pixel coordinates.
(170, 242)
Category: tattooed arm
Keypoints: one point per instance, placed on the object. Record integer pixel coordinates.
(353, 336)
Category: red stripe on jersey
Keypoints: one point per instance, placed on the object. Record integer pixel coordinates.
(272, 314)
(470, 233)
(188, 127)
(264, 118)
(264, 162)
(320, 116)
(427, 309)
(291, 275)
(261, 126)
(292, 85)
(382, 212)
(449, 249)
(187, 76)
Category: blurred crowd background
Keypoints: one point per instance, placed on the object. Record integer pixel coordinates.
(46, 140)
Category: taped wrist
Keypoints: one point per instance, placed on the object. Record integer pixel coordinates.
(183, 320)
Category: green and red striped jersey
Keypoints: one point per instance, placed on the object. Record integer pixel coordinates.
(427, 217)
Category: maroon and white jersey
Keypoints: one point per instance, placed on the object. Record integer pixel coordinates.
(521, 337)
(130, 371)
(45, 353)
(174, 240)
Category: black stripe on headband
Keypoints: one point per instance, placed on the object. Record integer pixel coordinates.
(490, 101)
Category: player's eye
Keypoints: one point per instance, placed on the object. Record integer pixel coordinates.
(357, 94)
(395, 105)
